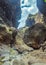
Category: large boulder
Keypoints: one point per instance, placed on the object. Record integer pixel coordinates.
(35, 35)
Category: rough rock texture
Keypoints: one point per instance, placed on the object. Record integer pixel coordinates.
(41, 6)
(18, 47)
(35, 35)
(20, 53)
(35, 57)
(10, 11)
(7, 35)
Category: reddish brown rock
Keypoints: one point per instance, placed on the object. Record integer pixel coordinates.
(35, 35)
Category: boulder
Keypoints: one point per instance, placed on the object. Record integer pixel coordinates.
(35, 35)
(7, 35)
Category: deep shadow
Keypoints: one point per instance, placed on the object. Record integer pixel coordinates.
(17, 12)
(41, 6)
(30, 21)
(12, 10)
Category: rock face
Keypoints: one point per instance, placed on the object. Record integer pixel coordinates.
(10, 11)
(41, 6)
(7, 35)
(35, 35)
(20, 47)
(14, 51)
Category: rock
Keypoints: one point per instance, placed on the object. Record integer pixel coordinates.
(19, 62)
(4, 9)
(30, 58)
(41, 6)
(43, 46)
(15, 48)
(44, 18)
(20, 53)
(39, 64)
(6, 54)
(20, 45)
(38, 18)
(10, 11)
(33, 19)
(35, 35)
(7, 35)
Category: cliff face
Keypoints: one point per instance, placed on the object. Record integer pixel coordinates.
(10, 11)
(41, 6)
